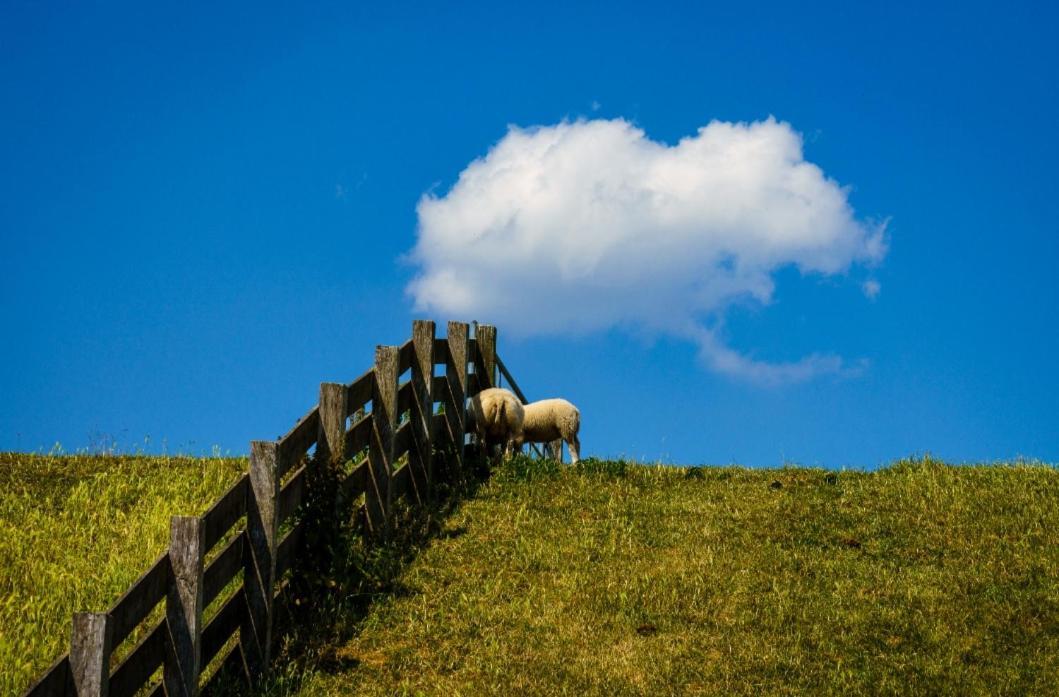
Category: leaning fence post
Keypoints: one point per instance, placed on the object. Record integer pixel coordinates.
(259, 571)
(331, 442)
(456, 373)
(183, 606)
(422, 458)
(485, 340)
(384, 424)
(90, 646)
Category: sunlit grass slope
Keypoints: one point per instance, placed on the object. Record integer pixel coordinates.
(75, 532)
(609, 579)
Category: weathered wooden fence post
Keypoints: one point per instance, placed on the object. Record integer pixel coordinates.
(384, 424)
(421, 458)
(259, 572)
(331, 439)
(183, 606)
(456, 374)
(90, 640)
(485, 340)
(331, 443)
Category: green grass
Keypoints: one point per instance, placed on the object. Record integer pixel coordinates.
(610, 578)
(75, 532)
(613, 579)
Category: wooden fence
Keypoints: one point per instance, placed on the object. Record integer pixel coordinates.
(389, 424)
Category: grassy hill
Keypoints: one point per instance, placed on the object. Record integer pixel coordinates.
(609, 578)
(613, 579)
(75, 532)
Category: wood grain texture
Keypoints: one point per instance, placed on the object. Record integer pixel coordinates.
(90, 647)
(260, 566)
(184, 605)
(381, 450)
(456, 373)
(485, 356)
(421, 460)
(331, 440)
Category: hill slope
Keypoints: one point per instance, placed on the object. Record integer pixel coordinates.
(75, 532)
(614, 579)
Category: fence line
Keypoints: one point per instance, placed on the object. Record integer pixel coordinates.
(394, 445)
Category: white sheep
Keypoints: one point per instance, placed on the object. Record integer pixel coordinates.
(548, 420)
(496, 415)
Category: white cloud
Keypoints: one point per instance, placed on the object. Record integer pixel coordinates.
(587, 225)
(723, 359)
(871, 288)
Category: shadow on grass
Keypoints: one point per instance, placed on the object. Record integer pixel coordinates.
(341, 575)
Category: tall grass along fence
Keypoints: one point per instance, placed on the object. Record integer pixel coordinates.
(231, 563)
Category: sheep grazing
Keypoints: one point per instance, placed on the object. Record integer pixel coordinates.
(497, 415)
(551, 419)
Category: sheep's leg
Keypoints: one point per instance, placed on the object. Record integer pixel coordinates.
(575, 449)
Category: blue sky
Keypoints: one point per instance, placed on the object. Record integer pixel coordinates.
(205, 212)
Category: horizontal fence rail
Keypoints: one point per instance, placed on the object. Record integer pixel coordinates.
(390, 423)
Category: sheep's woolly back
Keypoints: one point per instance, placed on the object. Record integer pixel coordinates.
(497, 414)
(550, 419)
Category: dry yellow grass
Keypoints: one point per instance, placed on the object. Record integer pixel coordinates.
(75, 532)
